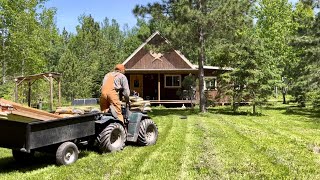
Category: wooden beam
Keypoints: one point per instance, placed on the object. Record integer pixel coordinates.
(16, 91)
(21, 110)
(31, 115)
(51, 92)
(159, 84)
(29, 94)
(38, 76)
(20, 81)
(59, 91)
(45, 77)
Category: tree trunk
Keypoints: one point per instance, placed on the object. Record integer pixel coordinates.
(284, 92)
(254, 108)
(233, 103)
(3, 72)
(22, 68)
(254, 105)
(201, 71)
(3, 64)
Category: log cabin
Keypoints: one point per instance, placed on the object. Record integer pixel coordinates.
(157, 77)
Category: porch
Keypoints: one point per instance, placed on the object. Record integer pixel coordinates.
(159, 88)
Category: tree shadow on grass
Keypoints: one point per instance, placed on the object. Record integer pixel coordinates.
(40, 160)
(311, 113)
(167, 112)
(8, 164)
(230, 112)
(296, 110)
(299, 111)
(186, 112)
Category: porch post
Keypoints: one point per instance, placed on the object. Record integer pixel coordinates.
(29, 93)
(59, 89)
(159, 86)
(16, 91)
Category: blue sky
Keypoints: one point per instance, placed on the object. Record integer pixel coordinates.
(68, 11)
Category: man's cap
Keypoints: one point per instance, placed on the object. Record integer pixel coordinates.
(120, 67)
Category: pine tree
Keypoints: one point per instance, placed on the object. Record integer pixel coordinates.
(192, 26)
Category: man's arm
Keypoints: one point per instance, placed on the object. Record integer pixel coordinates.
(125, 87)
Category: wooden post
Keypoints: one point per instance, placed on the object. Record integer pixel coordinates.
(51, 92)
(29, 93)
(59, 89)
(16, 91)
(159, 87)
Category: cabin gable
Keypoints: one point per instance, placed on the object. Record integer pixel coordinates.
(146, 59)
(149, 60)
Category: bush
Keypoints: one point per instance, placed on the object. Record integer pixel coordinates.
(7, 90)
(314, 97)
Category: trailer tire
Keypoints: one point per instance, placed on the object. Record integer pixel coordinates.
(22, 156)
(67, 153)
(112, 138)
(148, 133)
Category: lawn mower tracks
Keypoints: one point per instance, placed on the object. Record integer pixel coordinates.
(213, 145)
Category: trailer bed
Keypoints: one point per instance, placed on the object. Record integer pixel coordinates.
(27, 136)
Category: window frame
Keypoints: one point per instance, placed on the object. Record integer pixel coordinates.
(209, 78)
(172, 75)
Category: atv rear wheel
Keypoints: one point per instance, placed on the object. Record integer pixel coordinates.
(148, 133)
(112, 138)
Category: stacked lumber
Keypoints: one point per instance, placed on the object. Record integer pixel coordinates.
(68, 111)
(139, 104)
(17, 112)
(75, 111)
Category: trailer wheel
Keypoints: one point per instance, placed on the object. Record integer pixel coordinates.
(148, 133)
(67, 153)
(112, 138)
(22, 156)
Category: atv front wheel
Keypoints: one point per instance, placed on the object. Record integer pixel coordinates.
(148, 133)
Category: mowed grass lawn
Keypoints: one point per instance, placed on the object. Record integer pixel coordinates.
(280, 144)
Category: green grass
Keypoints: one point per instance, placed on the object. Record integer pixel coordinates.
(283, 143)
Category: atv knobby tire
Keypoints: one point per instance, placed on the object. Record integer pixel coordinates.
(148, 133)
(112, 138)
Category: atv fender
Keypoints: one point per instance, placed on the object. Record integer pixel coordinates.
(134, 124)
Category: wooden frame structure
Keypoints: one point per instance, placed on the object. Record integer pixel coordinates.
(32, 79)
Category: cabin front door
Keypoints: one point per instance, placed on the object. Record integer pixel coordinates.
(136, 84)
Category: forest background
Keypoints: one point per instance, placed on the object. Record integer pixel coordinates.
(271, 44)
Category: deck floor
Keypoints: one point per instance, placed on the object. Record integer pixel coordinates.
(172, 101)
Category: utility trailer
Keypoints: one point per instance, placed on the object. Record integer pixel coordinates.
(63, 136)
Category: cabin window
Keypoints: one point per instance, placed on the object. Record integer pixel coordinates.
(172, 81)
(210, 83)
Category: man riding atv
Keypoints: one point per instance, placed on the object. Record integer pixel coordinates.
(114, 85)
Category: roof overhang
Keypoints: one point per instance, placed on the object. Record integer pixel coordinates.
(151, 71)
(215, 68)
